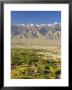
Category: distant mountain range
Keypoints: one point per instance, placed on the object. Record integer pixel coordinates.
(44, 31)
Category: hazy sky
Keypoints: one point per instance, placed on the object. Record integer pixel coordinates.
(36, 17)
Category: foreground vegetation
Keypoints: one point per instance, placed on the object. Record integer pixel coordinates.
(35, 64)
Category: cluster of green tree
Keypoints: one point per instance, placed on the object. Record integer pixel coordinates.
(26, 63)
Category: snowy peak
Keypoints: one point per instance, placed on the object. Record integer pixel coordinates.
(55, 23)
(47, 31)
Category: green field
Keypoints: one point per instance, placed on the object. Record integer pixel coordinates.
(35, 64)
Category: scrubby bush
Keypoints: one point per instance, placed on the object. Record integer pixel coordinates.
(27, 64)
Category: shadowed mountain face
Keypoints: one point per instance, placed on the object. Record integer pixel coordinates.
(44, 31)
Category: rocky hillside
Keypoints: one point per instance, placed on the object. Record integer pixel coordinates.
(44, 31)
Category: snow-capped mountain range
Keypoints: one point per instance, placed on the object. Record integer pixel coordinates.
(45, 31)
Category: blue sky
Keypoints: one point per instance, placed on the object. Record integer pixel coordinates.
(35, 17)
